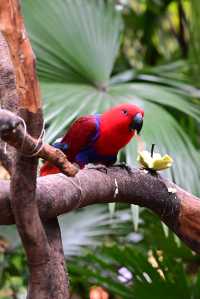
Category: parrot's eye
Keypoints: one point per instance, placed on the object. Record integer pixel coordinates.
(125, 112)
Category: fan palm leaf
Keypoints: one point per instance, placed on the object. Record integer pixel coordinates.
(95, 223)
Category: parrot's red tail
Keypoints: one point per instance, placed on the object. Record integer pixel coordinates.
(48, 168)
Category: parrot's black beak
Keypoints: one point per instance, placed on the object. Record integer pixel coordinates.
(137, 122)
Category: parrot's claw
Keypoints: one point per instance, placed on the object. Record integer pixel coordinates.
(149, 170)
(123, 165)
(99, 167)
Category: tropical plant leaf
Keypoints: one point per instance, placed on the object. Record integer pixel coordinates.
(141, 270)
(161, 95)
(135, 211)
(74, 41)
(127, 271)
(194, 61)
(84, 228)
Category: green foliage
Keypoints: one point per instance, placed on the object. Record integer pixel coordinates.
(76, 43)
(13, 274)
(95, 223)
(155, 32)
(195, 44)
(157, 267)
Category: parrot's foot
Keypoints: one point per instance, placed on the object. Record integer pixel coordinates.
(99, 167)
(149, 170)
(123, 165)
(76, 165)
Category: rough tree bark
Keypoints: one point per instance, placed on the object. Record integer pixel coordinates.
(42, 243)
(8, 98)
(59, 194)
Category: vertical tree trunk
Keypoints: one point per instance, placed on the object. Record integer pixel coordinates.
(8, 98)
(42, 242)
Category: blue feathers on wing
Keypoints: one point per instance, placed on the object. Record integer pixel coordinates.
(61, 146)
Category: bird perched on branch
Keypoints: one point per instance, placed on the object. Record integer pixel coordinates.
(98, 138)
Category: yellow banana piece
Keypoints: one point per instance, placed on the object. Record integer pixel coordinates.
(155, 162)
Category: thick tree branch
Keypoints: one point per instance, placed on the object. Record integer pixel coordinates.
(58, 194)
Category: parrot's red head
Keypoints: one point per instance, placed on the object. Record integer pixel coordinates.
(124, 117)
(119, 125)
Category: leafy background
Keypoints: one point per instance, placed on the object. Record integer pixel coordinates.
(91, 55)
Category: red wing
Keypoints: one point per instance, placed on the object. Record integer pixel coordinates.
(79, 135)
(48, 168)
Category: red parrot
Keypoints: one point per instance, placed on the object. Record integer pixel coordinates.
(98, 138)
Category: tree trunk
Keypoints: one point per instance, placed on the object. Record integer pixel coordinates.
(42, 242)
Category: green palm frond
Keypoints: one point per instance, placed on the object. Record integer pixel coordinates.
(153, 267)
(85, 228)
(162, 95)
(73, 42)
(127, 272)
